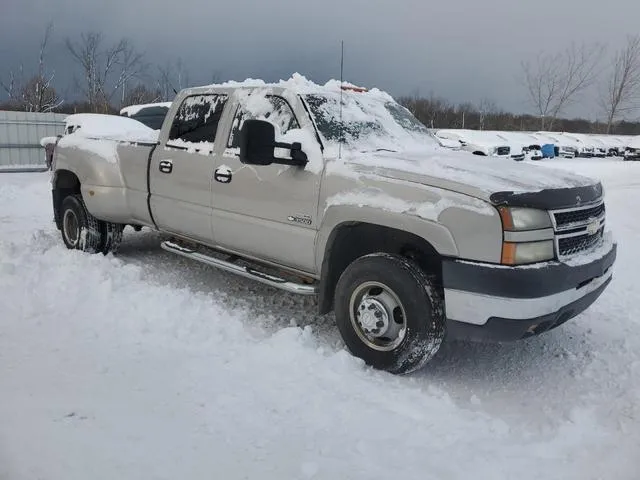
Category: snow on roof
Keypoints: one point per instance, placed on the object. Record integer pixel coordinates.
(302, 85)
(134, 109)
(634, 142)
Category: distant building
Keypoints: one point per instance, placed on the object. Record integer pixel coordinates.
(20, 138)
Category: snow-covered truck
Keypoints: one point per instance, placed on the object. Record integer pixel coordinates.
(340, 193)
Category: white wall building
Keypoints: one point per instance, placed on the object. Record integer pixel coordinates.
(20, 134)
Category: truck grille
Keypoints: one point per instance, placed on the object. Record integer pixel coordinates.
(566, 219)
(570, 245)
(503, 151)
(578, 229)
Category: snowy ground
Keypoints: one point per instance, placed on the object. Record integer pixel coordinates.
(151, 366)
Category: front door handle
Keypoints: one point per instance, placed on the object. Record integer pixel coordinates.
(166, 166)
(223, 174)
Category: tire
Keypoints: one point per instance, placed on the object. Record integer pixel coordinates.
(82, 231)
(113, 237)
(381, 280)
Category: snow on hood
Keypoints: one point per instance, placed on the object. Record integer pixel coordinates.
(111, 127)
(449, 143)
(470, 174)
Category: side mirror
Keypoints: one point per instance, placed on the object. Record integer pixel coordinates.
(258, 144)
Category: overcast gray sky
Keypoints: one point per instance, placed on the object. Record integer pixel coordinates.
(462, 50)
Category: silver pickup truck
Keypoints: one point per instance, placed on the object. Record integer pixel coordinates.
(339, 192)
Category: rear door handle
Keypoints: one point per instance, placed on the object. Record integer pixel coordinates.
(223, 174)
(166, 166)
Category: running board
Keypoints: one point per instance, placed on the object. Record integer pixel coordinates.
(243, 271)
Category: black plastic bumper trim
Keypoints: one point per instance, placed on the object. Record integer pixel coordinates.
(519, 282)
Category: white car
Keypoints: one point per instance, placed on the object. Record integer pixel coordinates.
(531, 146)
(632, 151)
(482, 143)
(150, 114)
(614, 144)
(587, 146)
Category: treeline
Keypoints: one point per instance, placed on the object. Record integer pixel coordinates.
(110, 75)
(439, 113)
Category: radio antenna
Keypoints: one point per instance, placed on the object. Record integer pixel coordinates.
(341, 124)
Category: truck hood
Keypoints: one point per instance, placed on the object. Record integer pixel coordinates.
(493, 179)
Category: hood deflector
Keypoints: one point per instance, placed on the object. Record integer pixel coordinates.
(549, 199)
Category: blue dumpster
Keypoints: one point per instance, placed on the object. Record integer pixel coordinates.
(548, 150)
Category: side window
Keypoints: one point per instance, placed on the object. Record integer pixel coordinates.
(276, 109)
(197, 120)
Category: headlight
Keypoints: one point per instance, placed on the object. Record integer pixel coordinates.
(518, 219)
(537, 247)
(527, 252)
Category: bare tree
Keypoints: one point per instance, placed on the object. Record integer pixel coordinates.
(140, 94)
(622, 92)
(486, 107)
(132, 66)
(35, 94)
(12, 87)
(172, 77)
(105, 69)
(553, 81)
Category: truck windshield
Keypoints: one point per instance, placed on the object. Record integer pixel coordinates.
(369, 122)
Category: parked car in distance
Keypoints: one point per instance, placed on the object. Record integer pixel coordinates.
(533, 148)
(151, 114)
(586, 146)
(632, 151)
(482, 143)
(341, 193)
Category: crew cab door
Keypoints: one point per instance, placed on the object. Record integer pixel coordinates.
(267, 211)
(181, 168)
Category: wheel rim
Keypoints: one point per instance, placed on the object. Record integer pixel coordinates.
(378, 316)
(71, 227)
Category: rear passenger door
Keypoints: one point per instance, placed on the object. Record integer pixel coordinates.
(182, 165)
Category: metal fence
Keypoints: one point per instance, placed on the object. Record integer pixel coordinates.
(20, 135)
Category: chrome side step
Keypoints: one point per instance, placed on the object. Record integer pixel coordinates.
(243, 271)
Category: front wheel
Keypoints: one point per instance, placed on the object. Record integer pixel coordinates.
(389, 312)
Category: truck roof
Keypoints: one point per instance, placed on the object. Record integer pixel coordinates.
(297, 84)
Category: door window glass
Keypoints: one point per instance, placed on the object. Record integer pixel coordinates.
(272, 108)
(196, 123)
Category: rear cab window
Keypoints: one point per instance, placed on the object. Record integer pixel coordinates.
(196, 122)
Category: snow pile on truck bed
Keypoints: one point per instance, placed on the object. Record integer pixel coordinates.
(151, 366)
(44, 141)
(111, 127)
(101, 134)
